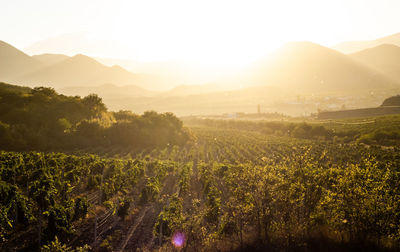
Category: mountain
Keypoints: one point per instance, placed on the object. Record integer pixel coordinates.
(58, 70)
(14, 62)
(79, 70)
(354, 46)
(309, 68)
(173, 73)
(383, 58)
(48, 59)
(298, 78)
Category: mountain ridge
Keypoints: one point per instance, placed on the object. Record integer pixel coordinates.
(48, 59)
(311, 68)
(58, 70)
(354, 46)
(14, 61)
(384, 58)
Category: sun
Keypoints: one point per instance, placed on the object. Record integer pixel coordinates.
(218, 32)
(202, 32)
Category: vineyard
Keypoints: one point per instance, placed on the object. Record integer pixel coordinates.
(228, 189)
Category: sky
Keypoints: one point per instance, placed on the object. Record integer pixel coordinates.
(204, 31)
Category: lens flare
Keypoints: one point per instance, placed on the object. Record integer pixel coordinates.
(178, 239)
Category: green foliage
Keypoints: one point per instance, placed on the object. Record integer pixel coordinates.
(231, 188)
(59, 220)
(297, 130)
(170, 217)
(94, 105)
(381, 137)
(106, 244)
(150, 191)
(213, 204)
(295, 193)
(382, 130)
(39, 191)
(361, 201)
(81, 208)
(184, 177)
(42, 119)
(5, 134)
(56, 246)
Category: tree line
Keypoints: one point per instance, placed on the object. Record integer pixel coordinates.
(42, 119)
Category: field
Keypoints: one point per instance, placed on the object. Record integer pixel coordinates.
(200, 126)
(231, 188)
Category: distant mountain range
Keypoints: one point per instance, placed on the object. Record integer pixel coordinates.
(60, 71)
(354, 46)
(305, 67)
(298, 68)
(14, 62)
(79, 70)
(49, 59)
(383, 58)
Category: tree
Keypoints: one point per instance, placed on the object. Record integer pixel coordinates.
(94, 105)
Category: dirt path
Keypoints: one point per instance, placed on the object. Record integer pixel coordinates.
(131, 231)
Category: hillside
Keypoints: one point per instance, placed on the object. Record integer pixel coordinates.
(297, 69)
(383, 58)
(309, 68)
(48, 59)
(58, 70)
(79, 70)
(4, 87)
(14, 62)
(40, 118)
(391, 101)
(354, 46)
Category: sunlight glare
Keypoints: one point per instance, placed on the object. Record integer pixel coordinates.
(217, 32)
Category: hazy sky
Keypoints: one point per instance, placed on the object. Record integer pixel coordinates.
(204, 31)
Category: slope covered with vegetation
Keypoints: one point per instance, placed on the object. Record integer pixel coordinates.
(391, 101)
(42, 119)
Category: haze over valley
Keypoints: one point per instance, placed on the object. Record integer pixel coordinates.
(298, 78)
